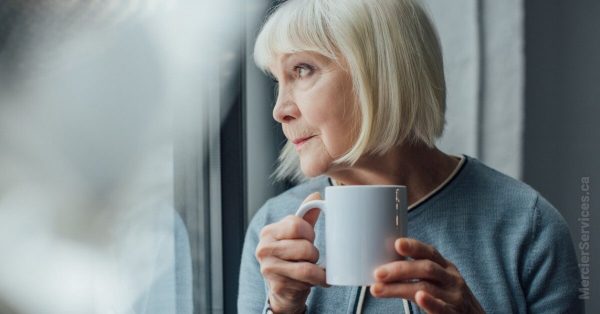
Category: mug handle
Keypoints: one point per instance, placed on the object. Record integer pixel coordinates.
(304, 208)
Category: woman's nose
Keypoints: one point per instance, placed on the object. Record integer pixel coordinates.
(285, 108)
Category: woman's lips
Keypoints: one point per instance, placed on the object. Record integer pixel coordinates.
(300, 141)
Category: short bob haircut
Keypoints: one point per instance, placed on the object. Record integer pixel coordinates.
(394, 58)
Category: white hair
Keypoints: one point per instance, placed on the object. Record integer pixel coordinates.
(392, 52)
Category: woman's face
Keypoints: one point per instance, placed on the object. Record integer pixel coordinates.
(316, 108)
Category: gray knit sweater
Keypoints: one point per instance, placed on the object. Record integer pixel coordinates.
(512, 247)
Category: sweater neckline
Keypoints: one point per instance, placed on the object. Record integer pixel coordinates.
(429, 195)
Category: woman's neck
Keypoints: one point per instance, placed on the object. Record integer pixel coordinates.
(420, 168)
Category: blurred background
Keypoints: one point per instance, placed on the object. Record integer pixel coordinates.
(136, 138)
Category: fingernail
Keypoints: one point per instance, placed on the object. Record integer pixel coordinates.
(400, 246)
(381, 273)
(376, 289)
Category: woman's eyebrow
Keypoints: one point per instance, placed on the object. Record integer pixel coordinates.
(285, 58)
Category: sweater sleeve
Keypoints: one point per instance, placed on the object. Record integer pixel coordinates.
(551, 275)
(252, 295)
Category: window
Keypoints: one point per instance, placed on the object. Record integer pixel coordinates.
(137, 141)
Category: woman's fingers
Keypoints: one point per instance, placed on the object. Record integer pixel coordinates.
(312, 215)
(419, 250)
(409, 270)
(430, 280)
(431, 304)
(290, 227)
(287, 258)
(406, 290)
(274, 268)
(281, 285)
(289, 250)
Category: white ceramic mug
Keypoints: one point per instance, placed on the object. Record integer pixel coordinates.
(361, 224)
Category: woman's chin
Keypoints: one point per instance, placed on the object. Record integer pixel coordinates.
(312, 169)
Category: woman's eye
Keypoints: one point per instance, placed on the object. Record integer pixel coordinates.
(303, 70)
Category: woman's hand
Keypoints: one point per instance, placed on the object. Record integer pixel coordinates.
(287, 260)
(439, 287)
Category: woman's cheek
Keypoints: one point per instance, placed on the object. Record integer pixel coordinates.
(336, 143)
(315, 160)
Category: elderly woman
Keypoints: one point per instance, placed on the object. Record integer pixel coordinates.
(361, 100)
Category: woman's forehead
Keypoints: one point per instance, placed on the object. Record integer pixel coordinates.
(283, 57)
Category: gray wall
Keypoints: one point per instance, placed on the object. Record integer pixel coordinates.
(562, 111)
(482, 42)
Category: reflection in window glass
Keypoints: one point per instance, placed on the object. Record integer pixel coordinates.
(95, 97)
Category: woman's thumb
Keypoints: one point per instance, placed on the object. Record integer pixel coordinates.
(313, 214)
